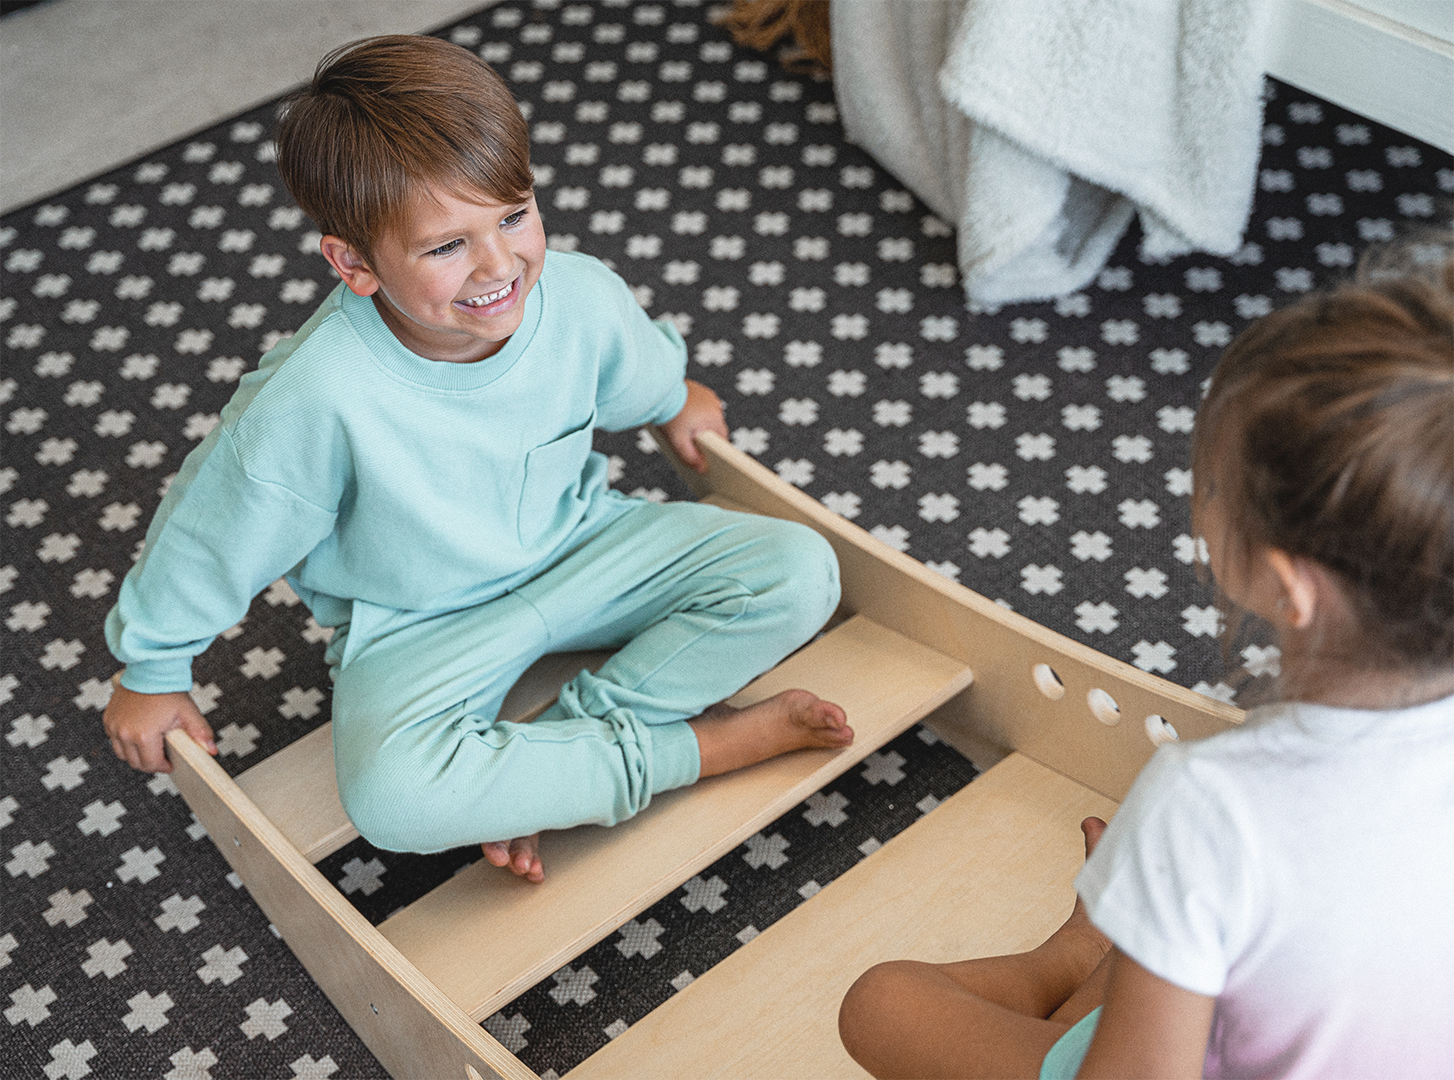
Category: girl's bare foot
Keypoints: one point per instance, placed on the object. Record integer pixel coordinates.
(521, 855)
(1080, 949)
(1078, 927)
(731, 738)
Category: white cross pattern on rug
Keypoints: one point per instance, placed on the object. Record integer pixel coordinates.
(1038, 454)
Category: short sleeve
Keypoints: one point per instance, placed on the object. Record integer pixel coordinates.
(1169, 882)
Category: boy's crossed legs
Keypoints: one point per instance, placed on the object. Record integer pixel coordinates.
(699, 600)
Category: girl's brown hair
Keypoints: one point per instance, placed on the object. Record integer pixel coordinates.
(385, 118)
(1328, 432)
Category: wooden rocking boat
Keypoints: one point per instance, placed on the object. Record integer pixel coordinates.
(1061, 729)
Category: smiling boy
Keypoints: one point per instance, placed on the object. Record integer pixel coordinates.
(417, 461)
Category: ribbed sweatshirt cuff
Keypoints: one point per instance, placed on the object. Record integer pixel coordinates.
(167, 676)
(675, 402)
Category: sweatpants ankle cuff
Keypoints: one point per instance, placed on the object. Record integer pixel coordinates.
(676, 760)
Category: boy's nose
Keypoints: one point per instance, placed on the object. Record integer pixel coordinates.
(495, 265)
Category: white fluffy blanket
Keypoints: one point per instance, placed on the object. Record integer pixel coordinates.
(1039, 127)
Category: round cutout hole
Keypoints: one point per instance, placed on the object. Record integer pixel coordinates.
(1048, 682)
(1159, 731)
(1103, 707)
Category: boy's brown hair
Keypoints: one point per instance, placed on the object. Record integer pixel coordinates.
(1328, 432)
(386, 117)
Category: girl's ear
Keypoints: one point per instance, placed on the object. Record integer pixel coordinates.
(350, 265)
(1302, 583)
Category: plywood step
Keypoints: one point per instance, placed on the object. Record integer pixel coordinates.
(988, 872)
(485, 936)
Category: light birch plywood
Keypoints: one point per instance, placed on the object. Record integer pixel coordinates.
(1006, 706)
(989, 872)
(297, 788)
(414, 1030)
(475, 942)
(484, 936)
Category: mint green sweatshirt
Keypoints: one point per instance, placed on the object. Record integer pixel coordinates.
(373, 477)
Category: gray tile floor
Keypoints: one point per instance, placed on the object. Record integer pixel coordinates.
(87, 84)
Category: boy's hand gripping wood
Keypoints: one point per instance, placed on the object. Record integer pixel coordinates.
(703, 412)
(137, 725)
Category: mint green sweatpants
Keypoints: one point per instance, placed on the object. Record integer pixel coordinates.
(698, 600)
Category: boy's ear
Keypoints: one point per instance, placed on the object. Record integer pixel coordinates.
(350, 266)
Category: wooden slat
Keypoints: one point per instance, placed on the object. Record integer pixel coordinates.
(1004, 708)
(412, 1028)
(297, 790)
(988, 872)
(485, 936)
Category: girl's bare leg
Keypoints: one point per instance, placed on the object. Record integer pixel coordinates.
(1040, 982)
(996, 1016)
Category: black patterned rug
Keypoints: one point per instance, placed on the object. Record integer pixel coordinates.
(1036, 453)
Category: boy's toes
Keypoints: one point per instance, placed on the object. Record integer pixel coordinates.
(834, 716)
(808, 710)
(525, 858)
(830, 725)
(832, 720)
(521, 856)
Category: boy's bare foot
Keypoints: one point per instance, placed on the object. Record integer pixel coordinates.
(521, 855)
(731, 738)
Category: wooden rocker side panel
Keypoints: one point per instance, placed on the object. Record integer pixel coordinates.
(988, 872)
(408, 1024)
(1006, 705)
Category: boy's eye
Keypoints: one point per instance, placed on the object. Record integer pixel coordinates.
(513, 219)
(445, 249)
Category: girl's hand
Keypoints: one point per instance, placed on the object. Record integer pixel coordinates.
(137, 725)
(702, 412)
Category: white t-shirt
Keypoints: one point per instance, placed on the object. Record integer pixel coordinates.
(1299, 868)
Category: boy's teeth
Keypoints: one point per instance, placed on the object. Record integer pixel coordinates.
(490, 298)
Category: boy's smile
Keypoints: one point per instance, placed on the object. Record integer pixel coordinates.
(451, 284)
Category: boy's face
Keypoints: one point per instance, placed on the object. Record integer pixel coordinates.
(451, 284)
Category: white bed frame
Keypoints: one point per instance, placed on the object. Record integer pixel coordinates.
(1390, 60)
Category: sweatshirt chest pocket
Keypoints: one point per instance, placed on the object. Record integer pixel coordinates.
(550, 497)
